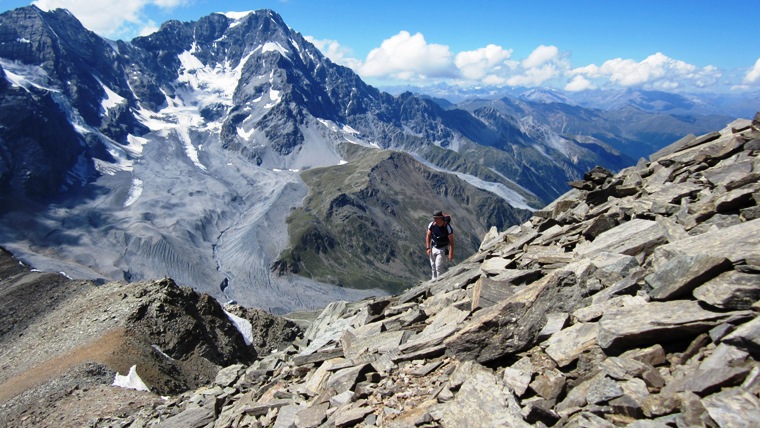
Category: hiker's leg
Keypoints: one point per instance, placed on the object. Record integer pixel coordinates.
(436, 262)
(434, 271)
(441, 262)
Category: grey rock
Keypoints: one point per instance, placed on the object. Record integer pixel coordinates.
(733, 407)
(654, 322)
(627, 406)
(730, 290)
(589, 420)
(351, 416)
(565, 346)
(512, 325)
(345, 379)
(622, 368)
(721, 331)
(319, 356)
(603, 389)
(549, 384)
(286, 416)
(518, 376)
(724, 174)
(737, 243)
(703, 382)
(680, 275)
(262, 408)
(653, 355)
(724, 355)
(595, 311)
(193, 417)
(443, 325)
(312, 416)
(555, 322)
(746, 337)
(633, 237)
(228, 375)
(482, 401)
(355, 347)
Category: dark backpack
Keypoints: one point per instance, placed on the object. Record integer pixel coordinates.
(442, 239)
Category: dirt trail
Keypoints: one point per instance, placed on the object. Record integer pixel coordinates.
(100, 350)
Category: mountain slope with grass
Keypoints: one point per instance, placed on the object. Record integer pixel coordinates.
(365, 226)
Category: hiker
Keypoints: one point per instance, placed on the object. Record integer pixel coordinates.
(439, 242)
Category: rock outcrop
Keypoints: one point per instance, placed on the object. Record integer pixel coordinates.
(631, 300)
(60, 336)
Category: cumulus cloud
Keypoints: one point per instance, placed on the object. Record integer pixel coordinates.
(578, 84)
(486, 63)
(753, 75)
(543, 64)
(112, 18)
(657, 71)
(540, 56)
(406, 57)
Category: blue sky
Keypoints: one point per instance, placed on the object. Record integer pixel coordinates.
(673, 45)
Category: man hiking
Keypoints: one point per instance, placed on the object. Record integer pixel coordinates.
(440, 243)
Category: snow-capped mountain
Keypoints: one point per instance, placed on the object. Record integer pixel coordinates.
(179, 154)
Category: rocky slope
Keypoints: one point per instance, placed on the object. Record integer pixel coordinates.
(631, 300)
(60, 336)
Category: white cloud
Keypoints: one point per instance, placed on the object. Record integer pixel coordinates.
(656, 71)
(408, 57)
(483, 63)
(112, 18)
(578, 84)
(543, 64)
(753, 75)
(540, 56)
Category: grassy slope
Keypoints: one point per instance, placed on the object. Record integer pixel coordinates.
(367, 227)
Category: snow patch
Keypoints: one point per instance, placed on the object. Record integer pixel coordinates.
(246, 135)
(134, 192)
(136, 144)
(275, 98)
(512, 197)
(157, 349)
(112, 98)
(236, 15)
(350, 130)
(243, 325)
(130, 381)
(26, 75)
(274, 46)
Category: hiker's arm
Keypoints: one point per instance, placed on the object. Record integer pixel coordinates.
(451, 246)
(427, 241)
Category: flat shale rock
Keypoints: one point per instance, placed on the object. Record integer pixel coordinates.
(655, 322)
(731, 290)
(630, 238)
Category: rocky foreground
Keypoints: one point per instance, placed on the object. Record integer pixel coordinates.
(632, 300)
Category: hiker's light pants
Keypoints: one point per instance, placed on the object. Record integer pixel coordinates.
(438, 259)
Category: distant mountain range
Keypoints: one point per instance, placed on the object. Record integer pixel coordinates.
(232, 156)
(737, 104)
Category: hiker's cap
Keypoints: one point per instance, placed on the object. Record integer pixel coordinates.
(438, 214)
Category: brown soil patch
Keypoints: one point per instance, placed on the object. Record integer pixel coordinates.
(100, 350)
